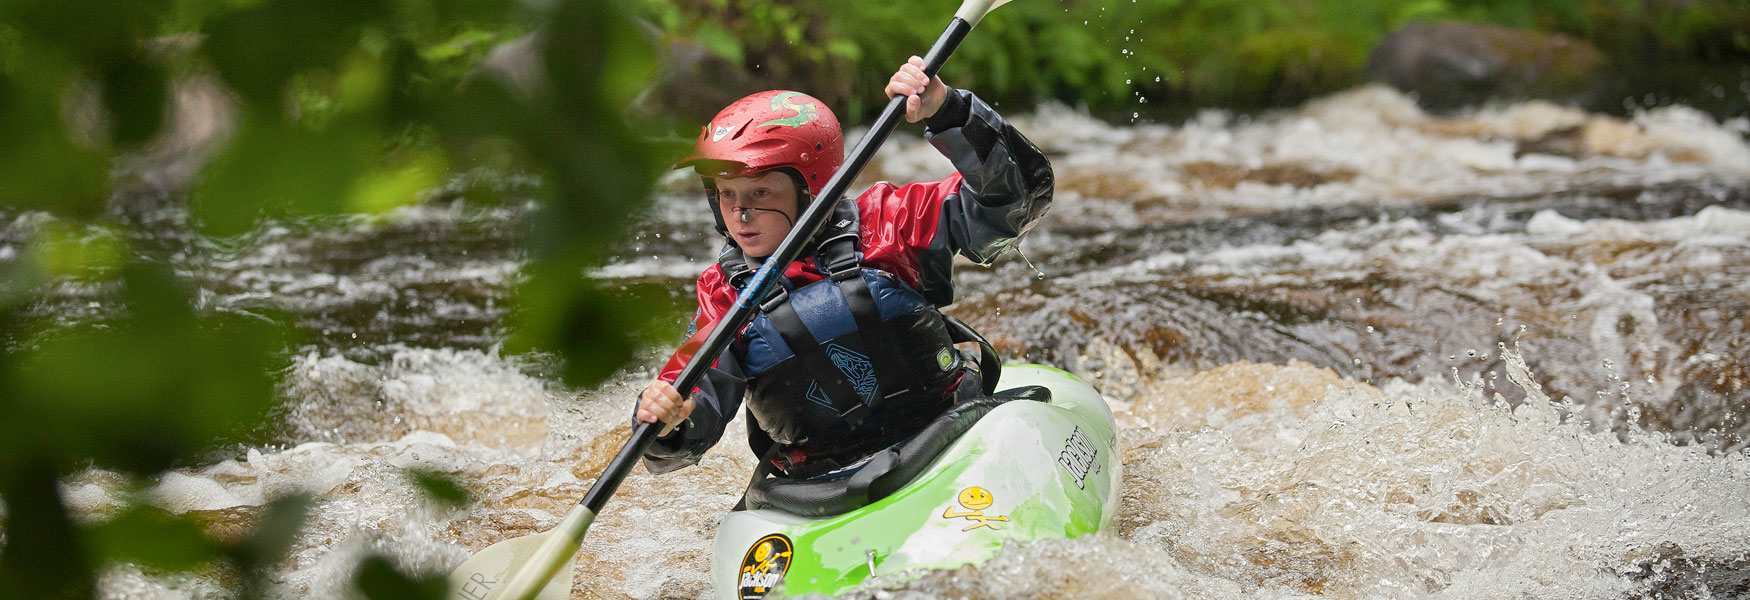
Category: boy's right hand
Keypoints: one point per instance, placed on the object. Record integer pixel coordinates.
(661, 402)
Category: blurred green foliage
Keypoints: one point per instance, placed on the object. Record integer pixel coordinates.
(339, 106)
(1111, 55)
(358, 105)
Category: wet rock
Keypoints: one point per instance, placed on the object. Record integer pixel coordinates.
(691, 83)
(515, 63)
(1451, 65)
(231, 525)
(1603, 136)
(1668, 571)
(1225, 176)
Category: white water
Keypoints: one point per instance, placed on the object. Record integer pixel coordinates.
(1242, 479)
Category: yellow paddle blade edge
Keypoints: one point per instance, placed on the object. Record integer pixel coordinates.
(973, 11)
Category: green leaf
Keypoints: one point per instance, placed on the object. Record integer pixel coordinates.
(378, 578)
(274, 168)
(459, 45)
(440, 488)
(44, 555)
(557, 311)
(85, 31)
(396, 186)
(845, 49)
(169, 385)
(259, 49)
(1420, 10)
(41, 167)
(720, 42)
(136, 95)
(267, 544)
(153, 538)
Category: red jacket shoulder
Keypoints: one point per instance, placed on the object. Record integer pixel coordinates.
(899, 221)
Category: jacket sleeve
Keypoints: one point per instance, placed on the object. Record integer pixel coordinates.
(1005, 181)
(716, 399)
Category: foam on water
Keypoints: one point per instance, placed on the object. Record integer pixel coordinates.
(1289, 482)
(1369, 145)
(1374, 457)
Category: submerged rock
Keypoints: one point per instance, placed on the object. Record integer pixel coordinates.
(1450, 65)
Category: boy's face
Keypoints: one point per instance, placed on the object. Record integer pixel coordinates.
(772, 191)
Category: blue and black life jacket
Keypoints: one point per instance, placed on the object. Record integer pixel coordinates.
(859, 353)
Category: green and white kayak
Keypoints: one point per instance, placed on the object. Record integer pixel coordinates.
(1030, 464)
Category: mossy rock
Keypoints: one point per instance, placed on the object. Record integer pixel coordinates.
(1450, 65)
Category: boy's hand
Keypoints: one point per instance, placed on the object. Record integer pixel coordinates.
(660, 402)
(925, 95)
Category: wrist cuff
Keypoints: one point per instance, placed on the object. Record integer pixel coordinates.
(954, 112)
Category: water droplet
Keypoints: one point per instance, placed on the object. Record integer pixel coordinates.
(1157, 79)
(1127, 82)
(1471, 352)
(1370, 329)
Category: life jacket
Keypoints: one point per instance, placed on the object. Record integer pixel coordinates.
(857, 354)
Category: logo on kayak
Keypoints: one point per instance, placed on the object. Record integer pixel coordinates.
(974, 500)
(1079, 457)
(764, 566)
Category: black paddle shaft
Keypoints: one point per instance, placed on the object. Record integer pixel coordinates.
(745, 305)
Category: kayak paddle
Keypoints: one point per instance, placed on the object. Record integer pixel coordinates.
(526, 567)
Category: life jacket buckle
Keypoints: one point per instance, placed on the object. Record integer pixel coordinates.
(779, 296)
(846, 274)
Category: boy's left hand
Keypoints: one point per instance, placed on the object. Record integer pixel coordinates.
(925, 95)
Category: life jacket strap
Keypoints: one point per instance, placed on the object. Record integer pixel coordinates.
(830, 388)
(893, 375)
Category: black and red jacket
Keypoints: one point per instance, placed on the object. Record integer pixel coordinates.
(1001, 186)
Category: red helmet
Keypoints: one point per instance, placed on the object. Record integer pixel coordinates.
(769, 130)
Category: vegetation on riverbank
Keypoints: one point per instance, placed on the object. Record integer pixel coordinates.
(358, 106)
(1118, 56)
(327, 106)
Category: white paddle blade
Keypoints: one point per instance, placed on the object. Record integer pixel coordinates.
(484, 575)
(972, 11)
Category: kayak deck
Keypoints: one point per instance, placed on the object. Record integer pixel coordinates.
(1025, 471)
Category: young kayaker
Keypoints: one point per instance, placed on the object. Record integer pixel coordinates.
(851, 353)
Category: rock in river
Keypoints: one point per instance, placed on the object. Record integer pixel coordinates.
(1449, 65)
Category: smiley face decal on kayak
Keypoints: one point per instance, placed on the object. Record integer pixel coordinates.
(974, 500)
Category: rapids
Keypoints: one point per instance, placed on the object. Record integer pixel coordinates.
(1356, 351)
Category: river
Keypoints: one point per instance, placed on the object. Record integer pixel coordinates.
(1355, 351)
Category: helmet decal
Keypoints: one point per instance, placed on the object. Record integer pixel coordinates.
(804, 113)
(769, 130)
